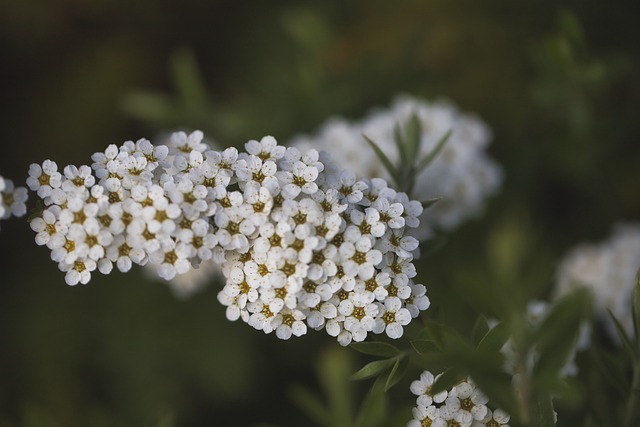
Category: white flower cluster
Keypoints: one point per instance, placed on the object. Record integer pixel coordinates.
(12, 199)
(462, 174)
(462, 406)
(609, 271)
(300, 242)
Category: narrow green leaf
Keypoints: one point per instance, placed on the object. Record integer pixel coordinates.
(412, 134)
(432, 155)
(611, 369)
(494, 339)
(480, 329)
(447, 380)
(399, 140)
(432, 246)
(372, 369)
(374, 408)
(557, 334)
(423, 346)
(333, 371)
(626, 341)
(397, 373)
(636, 311)
(430, 202)
(375, 348)
(383, 158)
(543, 414)
(437, 333)
(189, 82)
(311, 405)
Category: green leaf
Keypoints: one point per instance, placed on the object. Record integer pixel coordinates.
(424, 346)
(480, 329)
(432, 155)
(189, 83)
(626, 341)
(396, 374)
(375, 348)
(494, 339)
(611, 369)
(437, 332)
(543, 413)
(311, 405)
(372, 369)
(333, 371)
(383, 158)
(426, 204)
(374, 408)
(636, 310)
(447, 380)
(412, 133)
(557, 334)
(399, 140)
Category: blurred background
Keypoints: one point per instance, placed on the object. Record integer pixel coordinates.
(557, 81)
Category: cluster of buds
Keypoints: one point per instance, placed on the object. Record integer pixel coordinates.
(301, 243)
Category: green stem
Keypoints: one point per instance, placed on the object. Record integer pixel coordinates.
(634, 397)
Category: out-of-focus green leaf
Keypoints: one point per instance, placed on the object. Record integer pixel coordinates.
(422, 164)
(480, 329)
(542, 412)
(383, 158)
(397, 372)
(447, 380)
(189, 82)
(430, 202)
(412, 133)
(334, 372)
(399, 140)
(611, 369)
(374, 408)
(372, 369)
(495, 338)
(624, 338)
(557, 334)
(375, 348)
(424, 347)
(311, 405)
(636, 311)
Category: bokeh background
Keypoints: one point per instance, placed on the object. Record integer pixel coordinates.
(557, 81)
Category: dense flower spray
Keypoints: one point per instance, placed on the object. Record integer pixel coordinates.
(301, 243)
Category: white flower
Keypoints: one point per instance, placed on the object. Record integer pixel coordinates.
(422, 389)
(392, 317)
(495, 418)
(607, 269)
(78, 272)
(360, 258)
(45, 178)
(49, 231)
(418, 301)
(289, 322)
(266, 149)
(180, 142)
(424, 416)
(12, 200)
(77, 179)
(171, 259)
(468, 401)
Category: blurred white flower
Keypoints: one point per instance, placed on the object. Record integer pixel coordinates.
(608, 270)
(462, 175)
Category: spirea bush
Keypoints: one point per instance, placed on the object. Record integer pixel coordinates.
(322, 234)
